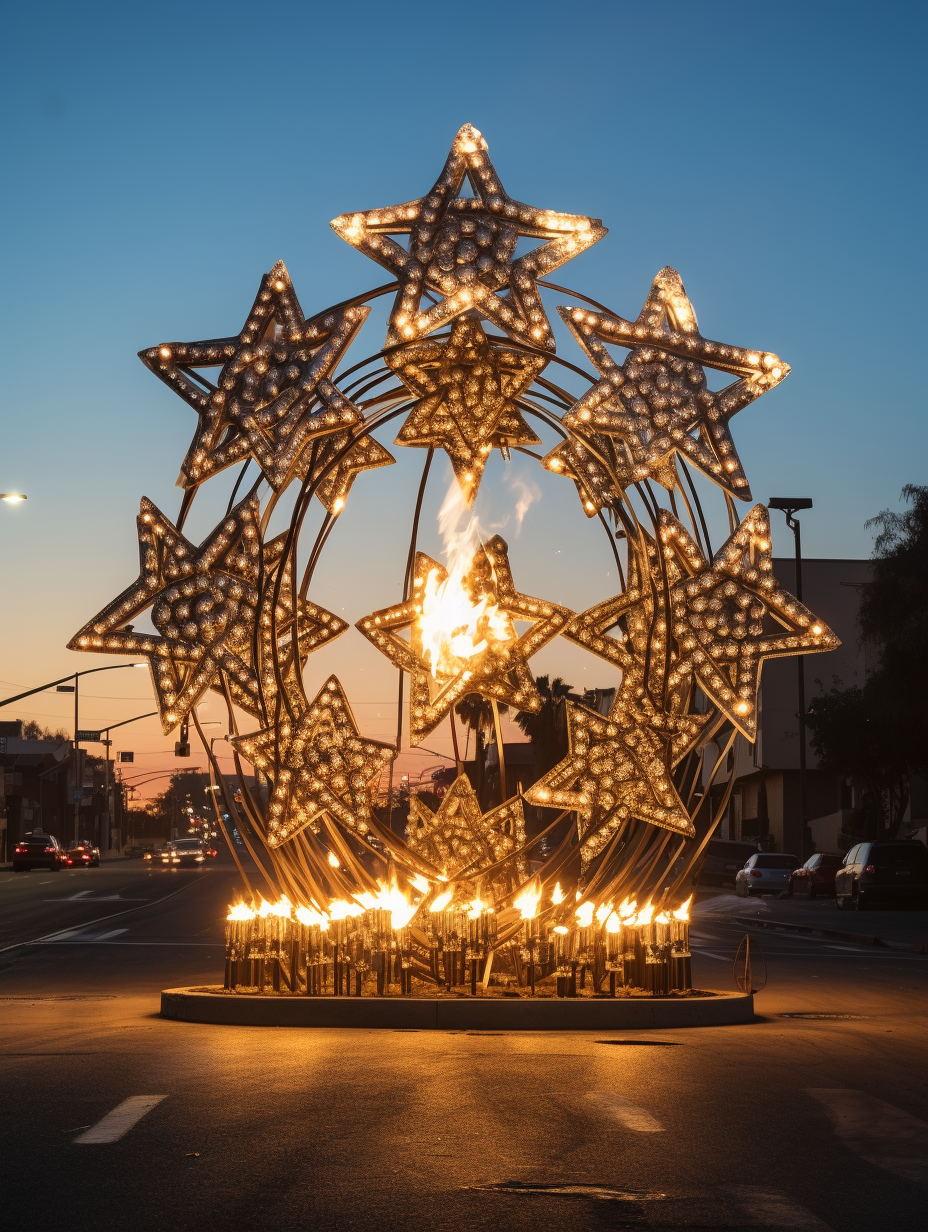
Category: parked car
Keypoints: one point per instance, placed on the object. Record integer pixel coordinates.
(38, 850)
(816, 877)
(765, 873)
(893, 872)
(82, 855)
(723, 861)
(183, 852)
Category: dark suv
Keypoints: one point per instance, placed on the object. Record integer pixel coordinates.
(38, 851)
(890, 872)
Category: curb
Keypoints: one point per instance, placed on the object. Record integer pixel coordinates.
(748, 921)
(442, 1014)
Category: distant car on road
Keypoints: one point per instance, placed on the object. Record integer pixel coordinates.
(723, 861)
(38, 851)
(816, 877)
(893, 872)
(183, 852)
(765, 873)
(82, 855)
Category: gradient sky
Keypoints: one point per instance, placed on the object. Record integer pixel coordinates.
(158, 160)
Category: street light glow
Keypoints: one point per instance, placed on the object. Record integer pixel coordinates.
(12, 498)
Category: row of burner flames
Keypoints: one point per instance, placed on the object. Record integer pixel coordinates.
(367, 956)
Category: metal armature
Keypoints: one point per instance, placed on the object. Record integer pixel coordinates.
(469, 897)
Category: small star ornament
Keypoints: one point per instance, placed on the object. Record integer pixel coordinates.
(317, 763)
(204, 602)
(462, 250)
(462, 637)
(730, 614)
(657, 403)
(613, 773)
(468, 389)
(273, 395)
(460, 835)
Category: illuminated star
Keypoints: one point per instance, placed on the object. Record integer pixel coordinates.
(273, 395)
(613, 773)
(318, 764)
(727, 616)
(335, 477)
(203, 602)
(460, 835)
(463, 250)
(467, 389)
(497, 668)
(582, 461)
(657, 402)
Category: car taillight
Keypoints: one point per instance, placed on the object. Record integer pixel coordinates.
(49, 849)
(147, 855)
(871, 868)
(755, 873)
(21, 851)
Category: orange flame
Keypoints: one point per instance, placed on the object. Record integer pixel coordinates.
(683, 911)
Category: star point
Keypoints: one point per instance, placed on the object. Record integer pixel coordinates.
(460, 835)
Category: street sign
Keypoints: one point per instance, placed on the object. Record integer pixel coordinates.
(124, 756)
(91, 737)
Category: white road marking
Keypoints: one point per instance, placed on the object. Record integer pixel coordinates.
(114, 933)
(878, 1132)
(774, 1209)
(118, 1122)
(82, 894)
(626, 1113)
(710, 954)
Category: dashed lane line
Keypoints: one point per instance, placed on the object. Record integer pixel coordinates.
(117, 1123)
(878, 1132)
(774, 1209)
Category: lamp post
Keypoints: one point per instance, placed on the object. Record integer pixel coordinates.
(12, 498)
(62, 687)
(790, 505)
(106, 742)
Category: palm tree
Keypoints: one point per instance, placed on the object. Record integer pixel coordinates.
(476, 713)
(547, 727)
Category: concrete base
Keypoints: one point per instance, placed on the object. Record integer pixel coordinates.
(456, 1013)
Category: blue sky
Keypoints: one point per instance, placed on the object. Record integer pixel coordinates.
(158, 160)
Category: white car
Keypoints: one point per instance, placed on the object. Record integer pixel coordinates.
(765, 873)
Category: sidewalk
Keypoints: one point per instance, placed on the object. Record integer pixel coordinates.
(907, 930)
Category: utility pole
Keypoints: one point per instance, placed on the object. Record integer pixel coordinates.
(790, 505)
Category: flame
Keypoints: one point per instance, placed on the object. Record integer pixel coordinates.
(241, 911)
(443, 900)
(627, 909)
(282, 908)
(476, 909)
(420, 883)
(309, 915)
(613, 924)
(528, 901)
(683, 911)
(602, 912)
(451, 625)
(560, 930)
(663, 918)
(584, 914)
(388, 898)
(645, 915)
(557, 895)
(333, 860)
(341, 910)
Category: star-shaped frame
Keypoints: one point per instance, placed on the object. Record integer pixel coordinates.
(467, 388)
(364, 455)
(273, 394)
(499, 670)
(463, 249)
(460, 835)
(658, 402)
(318, 764)
(204, 601)
(613, 772)
(719, 611)
(582, 462)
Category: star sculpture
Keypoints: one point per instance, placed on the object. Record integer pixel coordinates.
(273, 395)
(318, 764)
(467, 389)
(719, 611)
(460, 835)
(300, 628)
(446, 663)
(335, 466)
(582, 461)
(657, 403)
(203, 600)
(613, 773)
(462, 249)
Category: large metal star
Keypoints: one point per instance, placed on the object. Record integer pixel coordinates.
(203, 602)
(582, 461)
(467, 388)
(724, 616)
(658, 402)
(463, 249)
(613, 772)
(318, 764)
(273, 395)
(460, 835)
(336, 474)
(498, 670)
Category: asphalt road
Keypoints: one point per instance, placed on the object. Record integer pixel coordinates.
(802, 1123)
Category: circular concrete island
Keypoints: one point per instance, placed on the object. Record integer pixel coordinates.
(443, 1013)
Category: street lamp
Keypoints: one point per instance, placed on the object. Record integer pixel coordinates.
(12, 498)
(790, 505)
